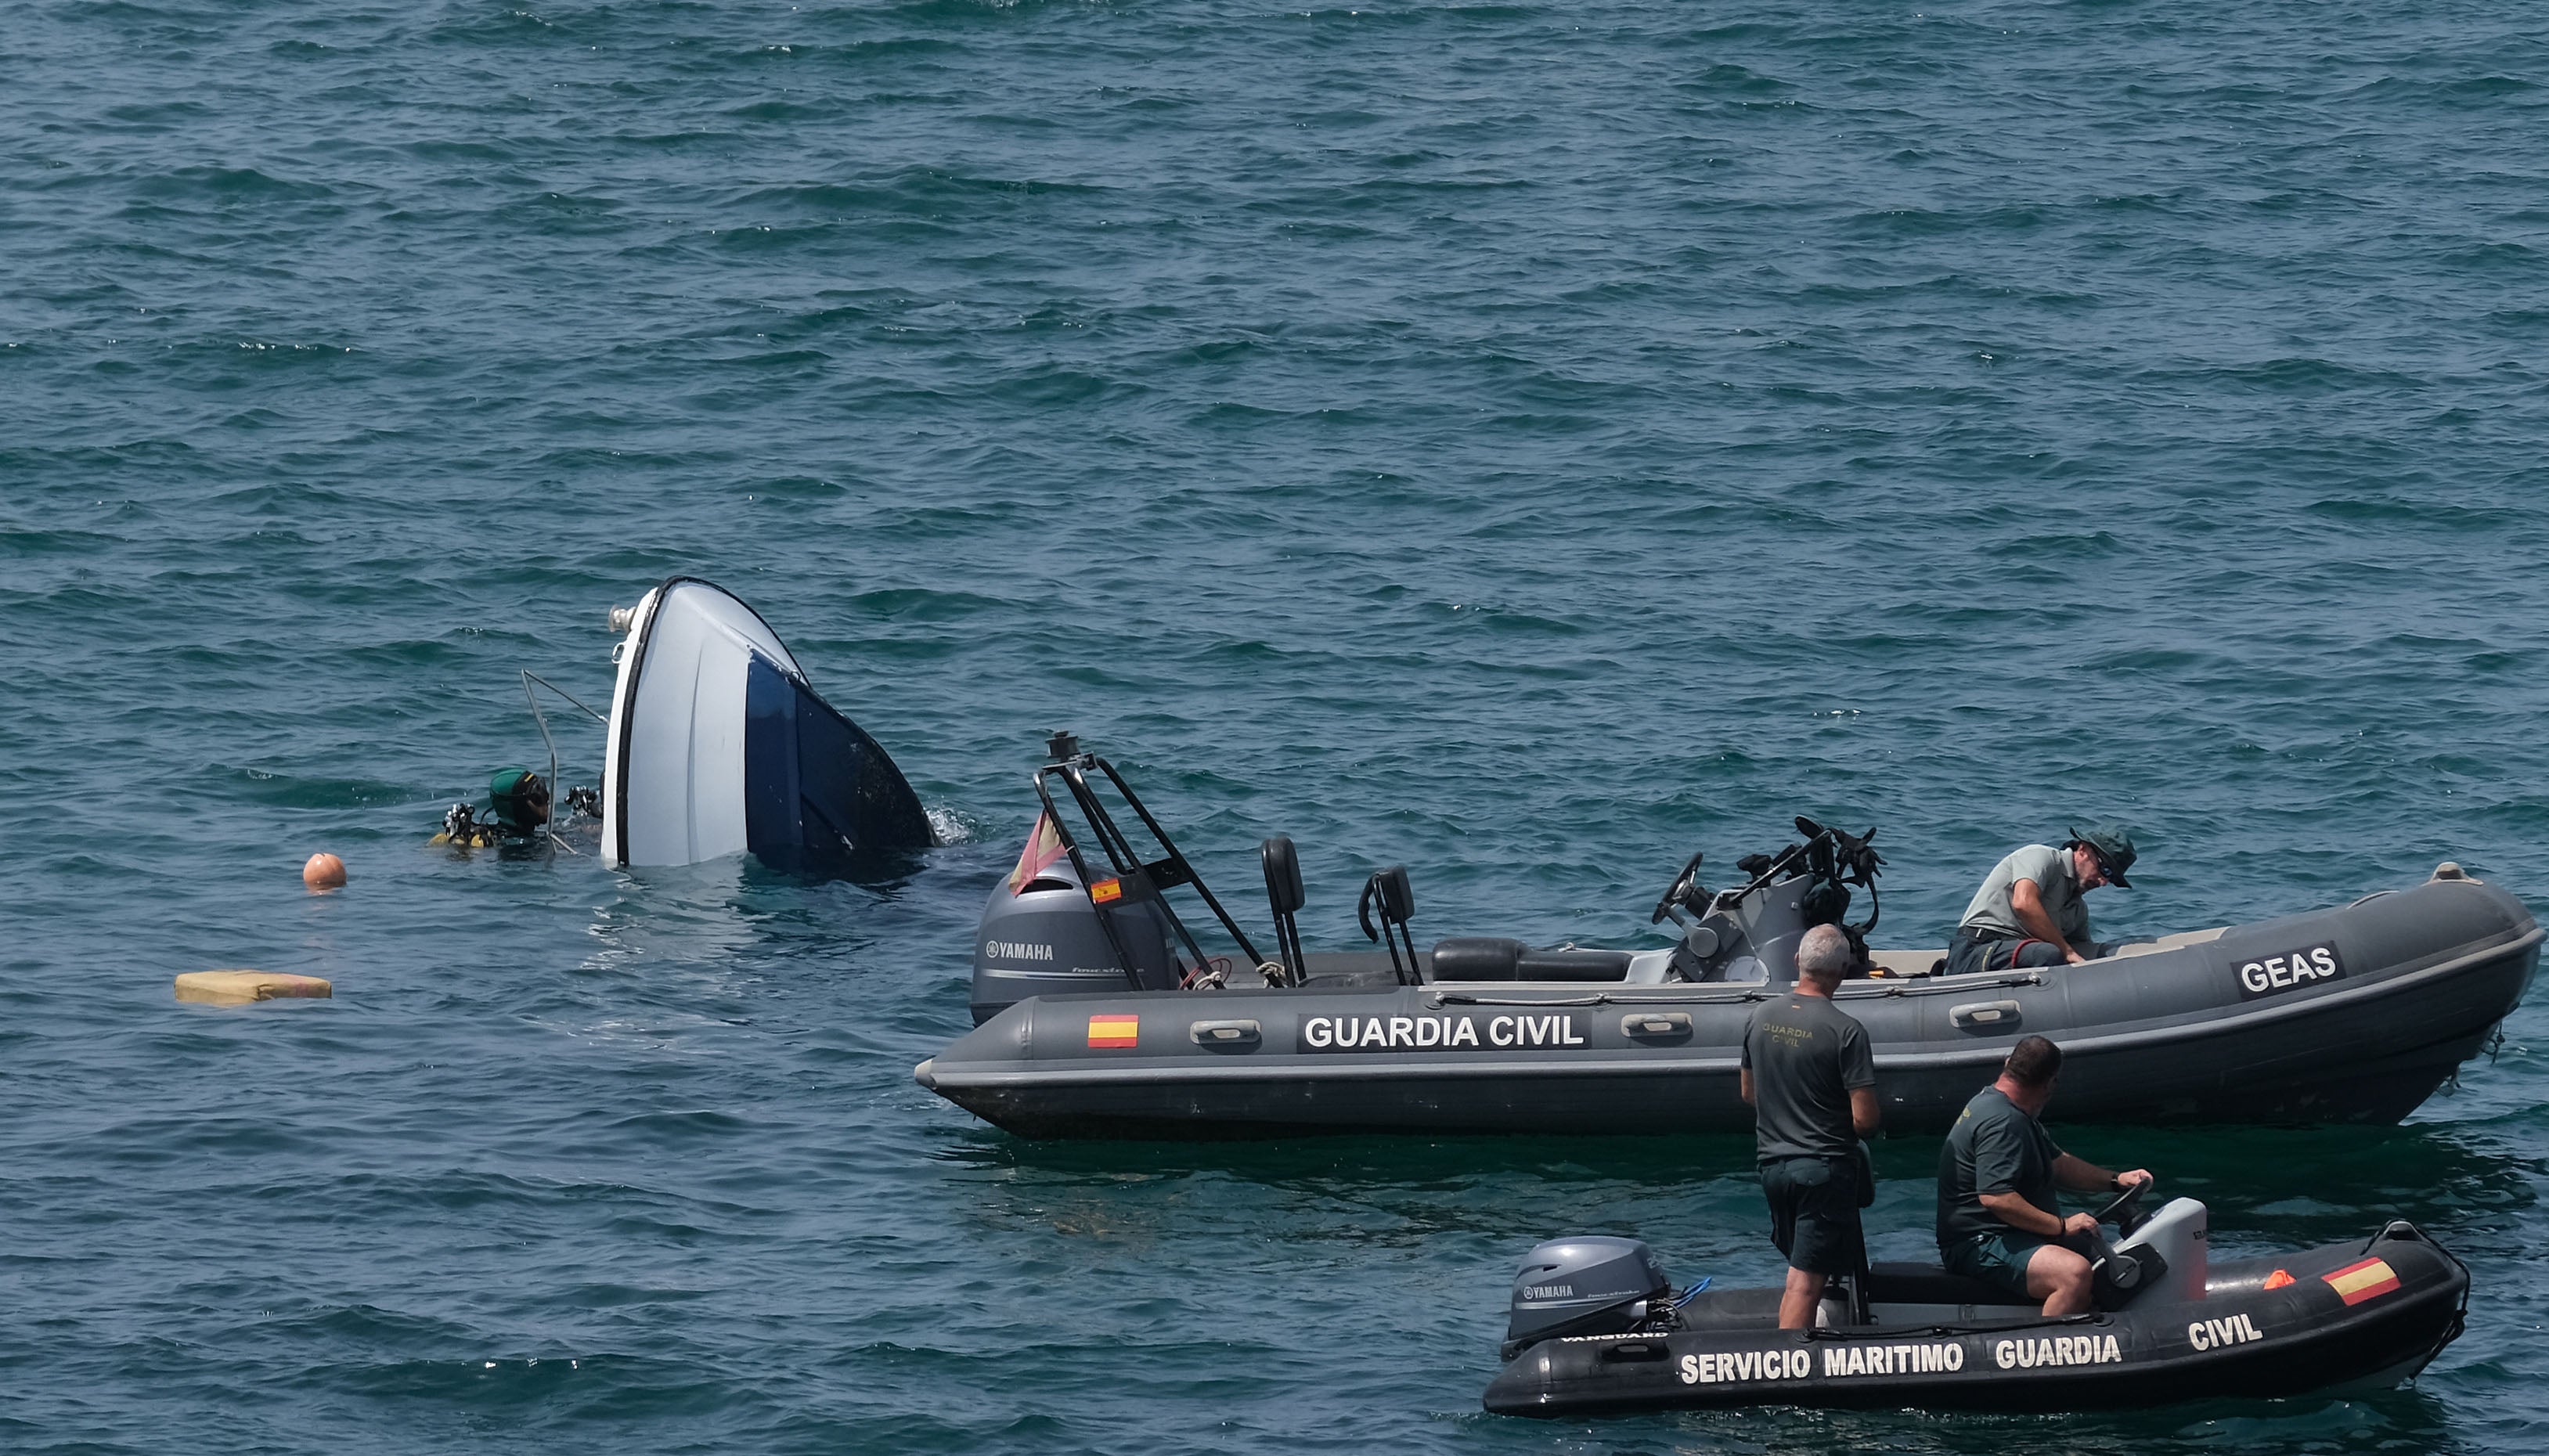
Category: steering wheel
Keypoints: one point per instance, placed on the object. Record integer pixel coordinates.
(1679, 891)
(2124, 1209)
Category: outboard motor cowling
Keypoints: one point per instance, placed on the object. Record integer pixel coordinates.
(1590, 1285)
(1045, 937)
(2180, 1235)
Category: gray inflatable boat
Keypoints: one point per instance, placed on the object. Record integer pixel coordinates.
(1102, 1013)
(1596, 1328)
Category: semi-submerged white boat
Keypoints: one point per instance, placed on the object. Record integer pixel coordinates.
(719, 745)
(1104, 1014)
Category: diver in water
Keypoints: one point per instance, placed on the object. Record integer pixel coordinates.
(518, 811)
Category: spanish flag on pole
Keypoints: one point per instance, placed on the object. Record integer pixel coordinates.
(1115, 1030)
(1044, 846)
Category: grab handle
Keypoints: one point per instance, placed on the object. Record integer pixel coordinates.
(1984, 1016)
(1243, 1033)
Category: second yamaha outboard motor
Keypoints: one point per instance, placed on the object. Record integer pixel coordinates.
(1591, 1285)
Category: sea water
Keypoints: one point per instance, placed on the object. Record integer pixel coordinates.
(1526, 442)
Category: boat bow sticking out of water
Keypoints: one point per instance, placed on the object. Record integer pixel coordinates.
(1104, 1014)
(1595, 1327)
(719, 745)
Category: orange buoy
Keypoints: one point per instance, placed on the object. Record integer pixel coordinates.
(239, 987)
(324, 871)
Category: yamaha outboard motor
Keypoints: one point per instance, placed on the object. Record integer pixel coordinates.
(1592, 1285)
(1040, 934)
(1087, 911)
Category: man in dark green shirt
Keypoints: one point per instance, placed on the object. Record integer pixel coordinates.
(2000, 1219)
(1812, 1084)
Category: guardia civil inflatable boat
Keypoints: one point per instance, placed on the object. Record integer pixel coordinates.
(719, 745)
(1102, 1012)
(1596, 1326)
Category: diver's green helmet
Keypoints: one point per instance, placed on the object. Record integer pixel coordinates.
(520, 799)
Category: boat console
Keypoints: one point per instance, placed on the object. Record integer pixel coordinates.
(1087, 909)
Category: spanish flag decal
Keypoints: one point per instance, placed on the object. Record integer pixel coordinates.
(1124, 1031)
(2354, 1284)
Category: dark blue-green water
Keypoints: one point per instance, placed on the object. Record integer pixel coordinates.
(1526, 441)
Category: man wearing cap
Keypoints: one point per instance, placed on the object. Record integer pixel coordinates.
(2029, 912)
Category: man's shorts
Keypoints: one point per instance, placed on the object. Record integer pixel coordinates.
(1997, 1259)
(1814, 1213)
(1973, 950)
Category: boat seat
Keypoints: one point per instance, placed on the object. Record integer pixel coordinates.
(1907, 963)
(1476, 959)
(1389, 895)
(1496, 959)
(1573, 966)
(1283, 896)
(1927, 1284)
(1348, 970)
(2171, 943)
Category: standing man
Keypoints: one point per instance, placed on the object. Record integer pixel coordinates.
(2029, 912)
(1999, 1218)
(1812, 1084)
